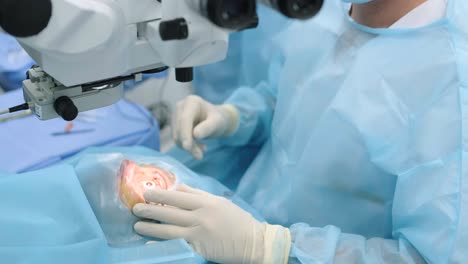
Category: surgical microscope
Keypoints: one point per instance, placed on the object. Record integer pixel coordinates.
(86, 49)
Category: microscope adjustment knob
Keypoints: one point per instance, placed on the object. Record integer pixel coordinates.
(65, 108)
(174, 29)
(184, 75)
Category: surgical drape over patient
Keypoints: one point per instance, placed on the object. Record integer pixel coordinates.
(73, 213)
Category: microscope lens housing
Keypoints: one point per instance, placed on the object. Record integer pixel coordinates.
(16, 19)
(297, 9)
(234, 15)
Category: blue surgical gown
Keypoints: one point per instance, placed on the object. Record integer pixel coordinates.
(364, 134)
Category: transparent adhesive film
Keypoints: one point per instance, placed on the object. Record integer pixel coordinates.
(114, 183)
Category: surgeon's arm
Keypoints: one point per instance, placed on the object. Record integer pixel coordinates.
(245, 118)
(429, 224)
(330, 245)
(255, 108)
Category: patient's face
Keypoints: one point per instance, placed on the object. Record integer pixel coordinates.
(135, 180)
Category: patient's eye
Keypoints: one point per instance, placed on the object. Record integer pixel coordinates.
(134, 180)
(149, 184)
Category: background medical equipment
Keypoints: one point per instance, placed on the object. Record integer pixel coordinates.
(86, 49)
(30, 144)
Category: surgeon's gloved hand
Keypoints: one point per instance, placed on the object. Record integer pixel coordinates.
(217, 229)
(197, 119)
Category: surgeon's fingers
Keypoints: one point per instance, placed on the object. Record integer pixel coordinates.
(167, 215)
(188, 189)
(188, 119)
(207, 129)
(161, 231)
(173, 198)
(176, 116)
(197, 150)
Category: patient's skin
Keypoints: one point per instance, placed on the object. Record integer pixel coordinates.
(135, 180)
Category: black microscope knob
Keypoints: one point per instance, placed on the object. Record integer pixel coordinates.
(65, 108)
(174, 29)
(184, 75)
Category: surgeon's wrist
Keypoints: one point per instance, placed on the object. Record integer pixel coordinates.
(232, 115)
(277, 244)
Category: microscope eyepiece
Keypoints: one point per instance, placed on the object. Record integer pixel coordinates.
(238, 15)
(235, 15)
(25, 18)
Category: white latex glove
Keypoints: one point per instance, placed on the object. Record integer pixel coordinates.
(197, 119)
(217, 229)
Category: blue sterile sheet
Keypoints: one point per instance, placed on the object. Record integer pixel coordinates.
(68, 213)
(30, 144)
(46, 218)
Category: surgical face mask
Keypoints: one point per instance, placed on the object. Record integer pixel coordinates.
(357, 1)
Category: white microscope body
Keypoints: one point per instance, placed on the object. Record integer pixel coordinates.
(90, 46)
(86, 49)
